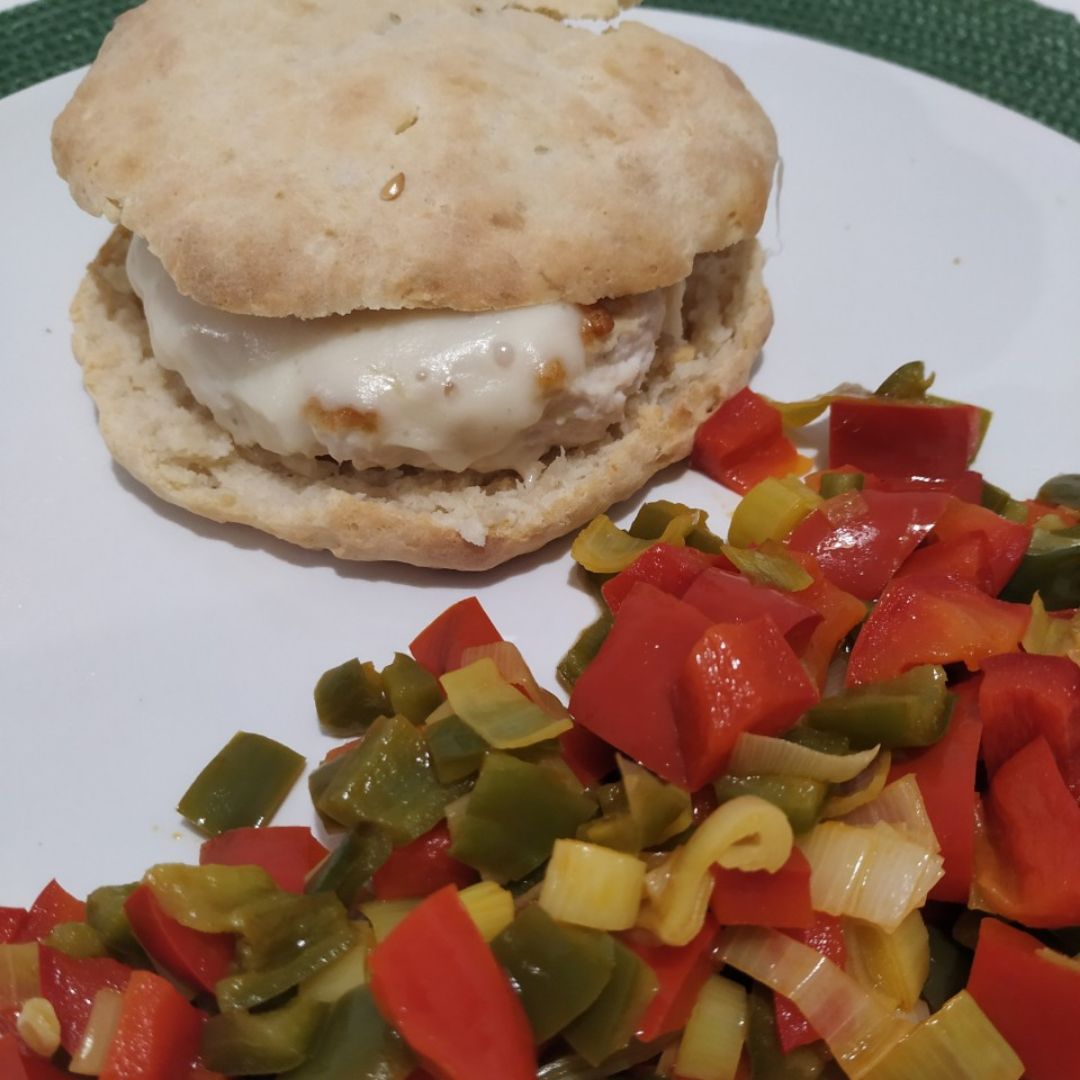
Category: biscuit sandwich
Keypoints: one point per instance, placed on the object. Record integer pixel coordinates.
(425, 280)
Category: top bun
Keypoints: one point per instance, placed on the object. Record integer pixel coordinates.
(255, 144)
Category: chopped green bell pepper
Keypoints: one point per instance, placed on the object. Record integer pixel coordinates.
(800, 798)
(909, 382)
(284, 940)
(583, 650)
(1002, 503)
(243, 785)
(950, 965)
(456, 750)
(767, 1060)
(558, 970)
(348, 868)
(412, 689)
(654, 517)
(240, 1043)
(514, 815)
(357, 1043)
(349, 697)
(105, 913)
(209, 898)
(387, 781)
(911, 710)
(839, 483)
(1051, 568)
(77, 939)
(825, 742)
(1063, 490)
(609, 1023)
(770, 564)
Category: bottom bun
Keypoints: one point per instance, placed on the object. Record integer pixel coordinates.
(158, 432)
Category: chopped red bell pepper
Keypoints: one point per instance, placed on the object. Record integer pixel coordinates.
(974, 544)
(758, 898)
(826, 935)
(743, 442)
(54, 905)
(738, 677)
(18, 1062)
(930, 619)
(1006, 541)
(192, 956)
(964, 558)
(966, 485)
(626, 694)
(861, 538)
(902, 438)
(590, 758)
(669, 568)
(731, 598)
(288, 853)
(70, 983)
(1024, 695)
(1031, 998)
(680, 972)
(466, 1023)
(840, 613)
(1027, 860)
(158, 1034)
(946, 776)
(461, 626)
(12, 920)
(421, 867)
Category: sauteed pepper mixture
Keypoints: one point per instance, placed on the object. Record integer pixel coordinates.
(812, 812)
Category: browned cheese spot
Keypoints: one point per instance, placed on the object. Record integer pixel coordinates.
(551, 377)
(345, 418)
(596, 323)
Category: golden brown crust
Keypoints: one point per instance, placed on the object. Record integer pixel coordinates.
(250, 142)
(166, 440)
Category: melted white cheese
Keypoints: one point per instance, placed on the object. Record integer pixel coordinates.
(435, 389)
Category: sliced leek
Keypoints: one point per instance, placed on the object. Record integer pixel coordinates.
(746, 833)
(894, 964)
(490, 906)
(104, 1019)
(38, 1026)
(865, 788)
(1052, 637)
(512, 667)
(872, 873)
(858, 1029)
(900, 805)
(19, 974)
(505, 718)
(593, 886)
(384, 915)
(712, 1041)
(957, 1043)
(760, 754)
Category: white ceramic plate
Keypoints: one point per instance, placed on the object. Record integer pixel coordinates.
(915, 222)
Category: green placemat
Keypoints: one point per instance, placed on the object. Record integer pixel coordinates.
(1015, 52)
